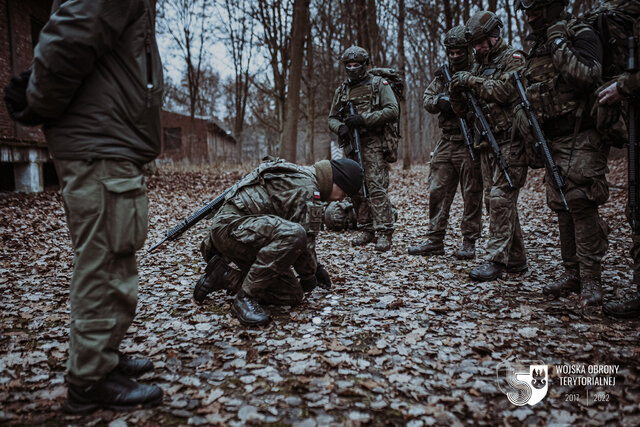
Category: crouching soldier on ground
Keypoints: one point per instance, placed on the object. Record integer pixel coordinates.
(267, 227)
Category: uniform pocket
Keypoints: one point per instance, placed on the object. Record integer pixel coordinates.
(127, 214)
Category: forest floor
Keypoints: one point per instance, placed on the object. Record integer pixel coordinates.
(397, 340)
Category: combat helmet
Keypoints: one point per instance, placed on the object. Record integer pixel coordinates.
(455, 38)
(533, 4)
(482, 25)
(340, 216)
(552, 11)
(355, 54)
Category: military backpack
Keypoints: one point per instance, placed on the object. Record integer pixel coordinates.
(392, 135)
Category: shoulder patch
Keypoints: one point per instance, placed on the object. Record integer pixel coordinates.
(384, 82)
(517, 55)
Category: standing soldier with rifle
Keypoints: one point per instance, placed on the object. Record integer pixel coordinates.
(361, 107)
(563, 68)
(452, 160)
(627, 87)
(504, 168)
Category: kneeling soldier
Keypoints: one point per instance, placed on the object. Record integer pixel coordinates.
(267, 228)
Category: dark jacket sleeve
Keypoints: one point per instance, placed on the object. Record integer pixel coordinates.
(77, 35)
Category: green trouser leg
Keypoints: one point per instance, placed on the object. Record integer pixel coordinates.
(107, 213)
(267, 248)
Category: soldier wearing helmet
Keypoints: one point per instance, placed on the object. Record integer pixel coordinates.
(375, 105)
(490, 82)
(562, 70)
(451, 162)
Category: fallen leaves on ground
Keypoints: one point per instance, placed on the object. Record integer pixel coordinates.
(397, 340)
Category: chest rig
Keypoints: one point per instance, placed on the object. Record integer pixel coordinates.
(498, 115)
(365, 95)
(551, 96)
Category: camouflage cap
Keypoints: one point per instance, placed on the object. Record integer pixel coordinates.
(481, 25)
(455, 38)
(355, 54)
(533, 4)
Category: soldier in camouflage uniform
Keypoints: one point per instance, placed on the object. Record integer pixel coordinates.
(375, 105)
(490, 81)
(451, 162)
(267, 227)
(563, 68)
(626, 87)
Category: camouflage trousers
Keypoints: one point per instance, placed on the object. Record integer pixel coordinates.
(375, 212)
(452, 164)
(505, 244)
(106, 206)
(582, 162)
(266, 249)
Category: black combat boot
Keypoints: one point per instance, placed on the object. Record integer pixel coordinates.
(130, 367)
(115, 392)
(568, 282)
(363, 237)
(624, 310)
(513, 268)
(248, 311)
(212, 279)
(384, 242)
(591, 291)
(488, 271)
(467, 250)
(432, 247)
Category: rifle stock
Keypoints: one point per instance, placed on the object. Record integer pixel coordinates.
(541, 142)
(358, 149)
(464, 127)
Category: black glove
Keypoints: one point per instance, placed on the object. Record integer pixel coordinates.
(345, 134)
(15, 95)
(15, 98)
(308, 284)
(324, 281)
(355, 121)
(444, 103)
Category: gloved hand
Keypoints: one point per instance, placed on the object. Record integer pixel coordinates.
(463, 80)
(322, 276)
(308, 284)
(15, 98)
(559, 30)
(443, 102)
(345, 134)
(355, 121)
(521, 123)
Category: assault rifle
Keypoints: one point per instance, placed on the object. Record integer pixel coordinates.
(541, 142)
(484, 130)
(192, 219)
(358, 149)
(632, 148)
(464, 127)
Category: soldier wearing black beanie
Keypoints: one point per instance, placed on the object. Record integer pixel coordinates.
(348, 175)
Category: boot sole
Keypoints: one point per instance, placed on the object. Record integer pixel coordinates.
(516, 270)
(87, 408)
(248, 323)
(625, 315)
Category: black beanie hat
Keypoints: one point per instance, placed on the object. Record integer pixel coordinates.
(348, 175)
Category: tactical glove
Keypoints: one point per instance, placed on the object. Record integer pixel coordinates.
(444, 103)
(559, 30)
(345, 134)
(463, 80)
(322, 276)
(355, 121)
(15, 98)
(308, 284)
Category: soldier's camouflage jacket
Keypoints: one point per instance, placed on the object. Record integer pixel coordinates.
(285, 190)
(447, 121)
(497, 93)
(372, 98)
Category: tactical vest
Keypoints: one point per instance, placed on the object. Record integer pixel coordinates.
(365, 96)
(555, 102)
(499, 116)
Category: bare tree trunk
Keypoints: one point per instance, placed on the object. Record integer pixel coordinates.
(311, 99)
(402, 60)
(290, 131)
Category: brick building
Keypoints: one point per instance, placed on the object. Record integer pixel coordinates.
(202, 141)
